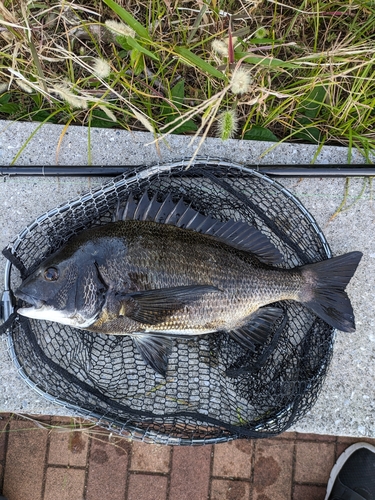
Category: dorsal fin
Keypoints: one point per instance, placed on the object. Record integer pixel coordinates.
(237, 234)
(143, 207)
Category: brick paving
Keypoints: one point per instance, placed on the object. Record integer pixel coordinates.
(62, 459)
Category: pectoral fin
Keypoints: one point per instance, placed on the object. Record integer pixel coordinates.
(154, 349)
(258, 329)
(155, 306)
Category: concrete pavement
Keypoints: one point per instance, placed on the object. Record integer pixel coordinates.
(346, 405)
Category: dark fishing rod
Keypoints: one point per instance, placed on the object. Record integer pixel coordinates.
(302, 170)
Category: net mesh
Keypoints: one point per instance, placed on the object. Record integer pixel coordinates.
(214, 390)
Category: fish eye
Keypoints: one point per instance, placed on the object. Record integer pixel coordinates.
(51, 274)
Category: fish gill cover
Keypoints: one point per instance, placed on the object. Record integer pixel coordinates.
(214, 388)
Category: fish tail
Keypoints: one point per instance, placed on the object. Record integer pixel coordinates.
(324, 289)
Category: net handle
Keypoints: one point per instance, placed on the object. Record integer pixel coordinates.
(301, 170)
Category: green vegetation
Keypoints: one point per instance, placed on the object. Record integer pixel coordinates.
(293, 70)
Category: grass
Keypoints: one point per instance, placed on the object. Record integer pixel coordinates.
(298, 70)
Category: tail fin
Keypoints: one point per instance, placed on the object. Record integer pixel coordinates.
(324, 292)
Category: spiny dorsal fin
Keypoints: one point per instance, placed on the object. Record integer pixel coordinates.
(237, 234)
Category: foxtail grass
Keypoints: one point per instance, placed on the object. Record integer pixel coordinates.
(263, 70)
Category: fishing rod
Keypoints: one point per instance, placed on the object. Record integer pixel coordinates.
(301, 170)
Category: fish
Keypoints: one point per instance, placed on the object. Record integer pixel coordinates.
(161, 271)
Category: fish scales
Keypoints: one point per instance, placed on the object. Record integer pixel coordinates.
(147, 255)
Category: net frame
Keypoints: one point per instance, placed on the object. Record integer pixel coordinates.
(184, 427)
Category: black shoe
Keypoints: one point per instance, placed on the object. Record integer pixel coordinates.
(353, 475)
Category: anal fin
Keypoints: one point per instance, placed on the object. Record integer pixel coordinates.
(257, 330)
(248, 365)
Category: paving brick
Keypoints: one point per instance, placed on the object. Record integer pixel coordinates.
(352, 440)
(45, 419)
(314, 462)
(150, 457)
(273, 470)
(340, 448)
(287, 435)
(147, 487)
(325, 438)
(233, 459)
(3, 424)
(190, 473)
(24, 467)
(63, 421)
(108, 465)
(224, 489)
(308, 492)
(64, 483)
(68, 448)
(277, 439)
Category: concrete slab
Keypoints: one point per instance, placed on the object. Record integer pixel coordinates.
(346, 405)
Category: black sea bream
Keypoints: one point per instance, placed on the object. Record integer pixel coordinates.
(162, 271)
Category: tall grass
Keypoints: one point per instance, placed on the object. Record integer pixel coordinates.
(263, 69)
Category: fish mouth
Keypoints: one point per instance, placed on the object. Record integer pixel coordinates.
(32, 302)
(40, 310)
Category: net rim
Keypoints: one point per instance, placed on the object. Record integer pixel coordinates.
(141, 173)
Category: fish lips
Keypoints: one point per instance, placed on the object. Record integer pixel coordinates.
(34, 305)
(29, 299)
(40, 310)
